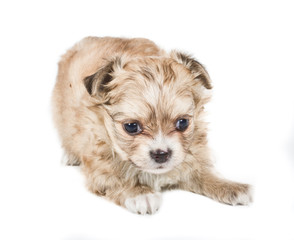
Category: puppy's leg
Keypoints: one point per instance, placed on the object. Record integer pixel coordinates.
(209, 184)
(137, 199)
(130, 194)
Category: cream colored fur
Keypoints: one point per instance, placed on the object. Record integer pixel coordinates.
(104, 83)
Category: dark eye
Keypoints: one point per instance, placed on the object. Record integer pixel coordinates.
(132, 128)
(182, 124)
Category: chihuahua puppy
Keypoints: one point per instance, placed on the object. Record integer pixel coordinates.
(132, 116)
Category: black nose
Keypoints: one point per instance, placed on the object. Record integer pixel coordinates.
(160, 156)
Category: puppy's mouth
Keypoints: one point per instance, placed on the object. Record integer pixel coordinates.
(159, 169)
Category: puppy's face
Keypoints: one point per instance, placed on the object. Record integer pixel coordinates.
(151, 106)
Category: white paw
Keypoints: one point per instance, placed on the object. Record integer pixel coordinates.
(243, 198)
(144, 204)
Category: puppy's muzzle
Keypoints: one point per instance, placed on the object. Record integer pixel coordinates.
(160, 156)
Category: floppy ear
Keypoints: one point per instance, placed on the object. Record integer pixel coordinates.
(96, 84)
(194, 66)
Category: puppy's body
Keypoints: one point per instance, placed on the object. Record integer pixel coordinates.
(131, 115)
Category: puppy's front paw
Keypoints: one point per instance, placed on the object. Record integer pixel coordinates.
(144, 203)
(237, 194)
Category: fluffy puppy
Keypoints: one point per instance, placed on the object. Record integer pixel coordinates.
(131, 115)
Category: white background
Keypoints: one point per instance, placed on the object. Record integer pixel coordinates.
(248, 49)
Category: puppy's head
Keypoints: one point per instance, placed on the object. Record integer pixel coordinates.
(152, 106)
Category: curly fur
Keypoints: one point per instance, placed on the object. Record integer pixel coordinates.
(103, 83)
